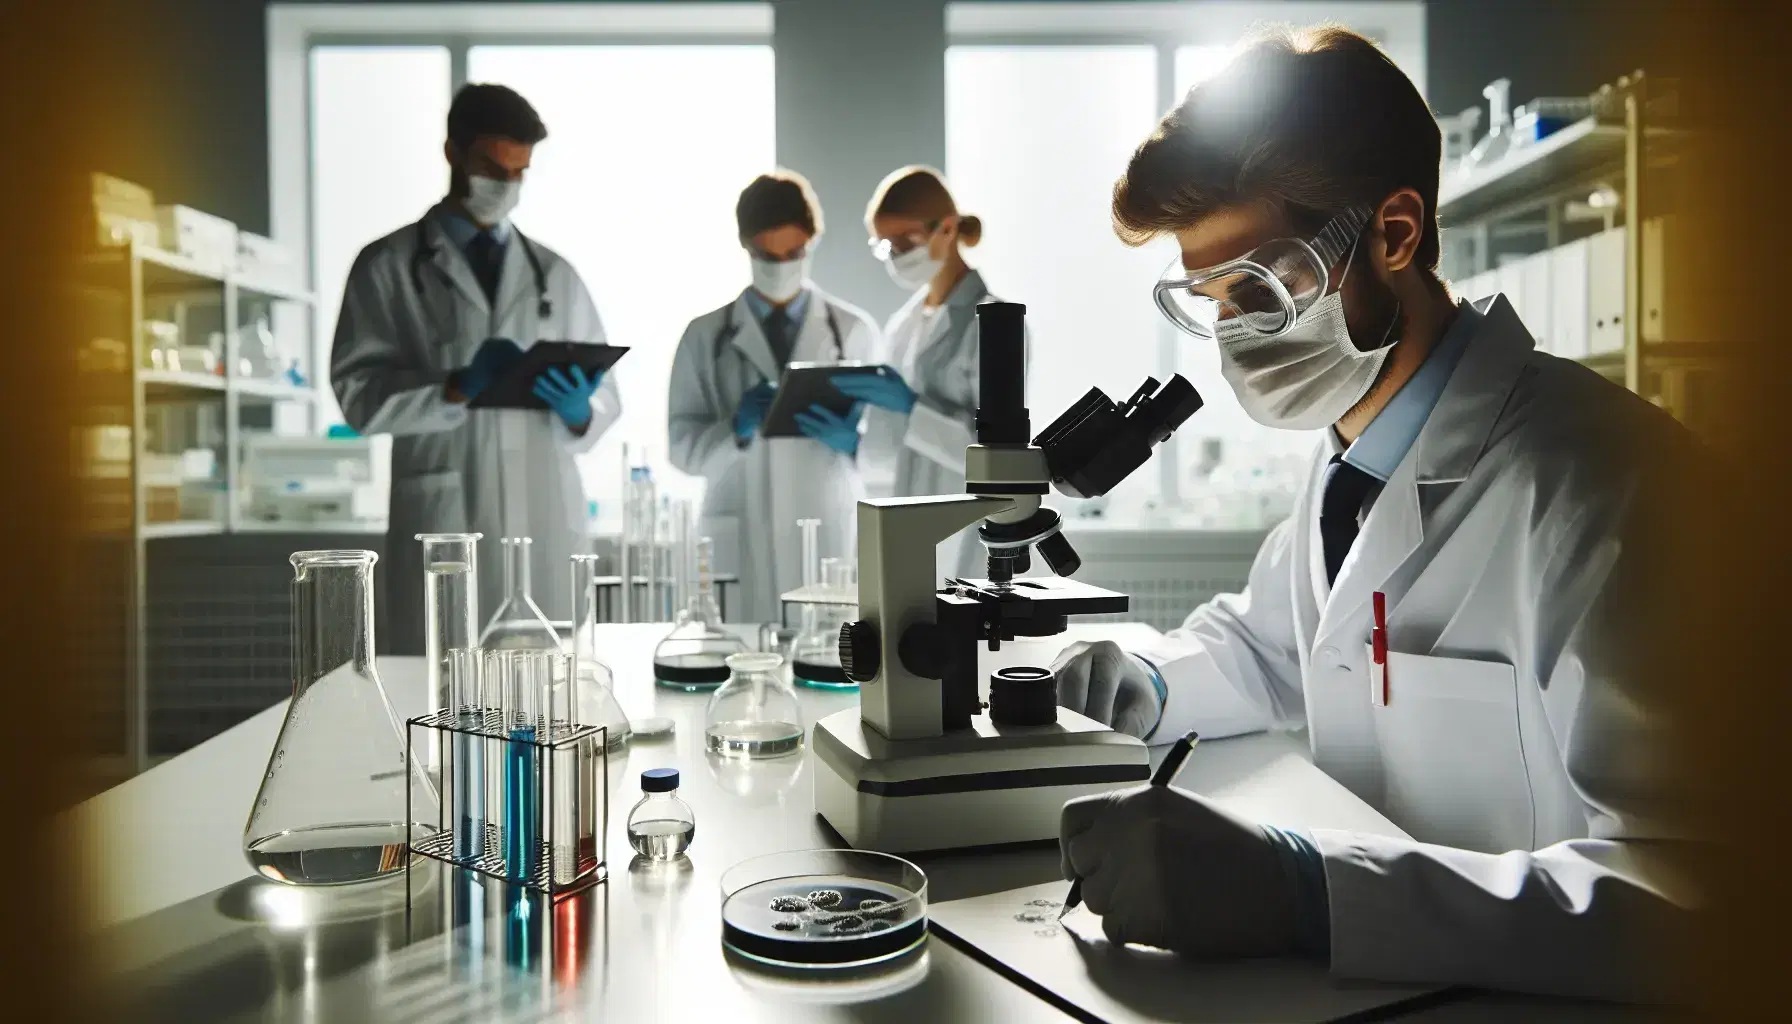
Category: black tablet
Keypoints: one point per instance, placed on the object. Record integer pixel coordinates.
(515, 387)
(806, 384)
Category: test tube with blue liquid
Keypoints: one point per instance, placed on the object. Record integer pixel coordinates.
(526, 702)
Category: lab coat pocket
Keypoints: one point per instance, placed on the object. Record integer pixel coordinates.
(1451, 752)
(429, 503)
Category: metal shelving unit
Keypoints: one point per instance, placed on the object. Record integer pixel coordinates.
(130, 280)
(1528, 202)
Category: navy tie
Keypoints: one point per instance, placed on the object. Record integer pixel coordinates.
(777, 334)
(1341, 502)
(486, 257)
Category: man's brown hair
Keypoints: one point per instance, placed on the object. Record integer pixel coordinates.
(774, 200)
(1312, 121)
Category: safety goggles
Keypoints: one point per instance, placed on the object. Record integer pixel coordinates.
(760, 254)
(1263, 292)
(885, 248)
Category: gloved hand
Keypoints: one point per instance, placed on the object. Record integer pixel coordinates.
(752, 409)
(569, 394)
(493, 357)
(1100, 680)
(886, 390)
(1166, 868)
(840, 433)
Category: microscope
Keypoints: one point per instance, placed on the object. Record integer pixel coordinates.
(923, 763)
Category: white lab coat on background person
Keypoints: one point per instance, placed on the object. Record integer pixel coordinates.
(1519, 747)
(499, 472)
(922, 452)
(757, 492)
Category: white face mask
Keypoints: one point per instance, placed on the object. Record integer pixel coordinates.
(489, 200)
(1305, 379)
(780, 282)
(914, 268)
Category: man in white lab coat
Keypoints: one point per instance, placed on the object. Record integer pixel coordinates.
(432, 315)
(1508, 505)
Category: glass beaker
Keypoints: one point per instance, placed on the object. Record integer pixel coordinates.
(594, 696)
(332, 804)
(450, 622)
(694, 656)
(518, 624)
(815, 653)
(755, 713)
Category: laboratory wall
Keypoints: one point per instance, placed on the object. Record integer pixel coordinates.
(860, 90)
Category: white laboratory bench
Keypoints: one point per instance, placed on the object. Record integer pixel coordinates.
(190, 934)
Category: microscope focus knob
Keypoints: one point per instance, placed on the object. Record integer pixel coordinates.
(859, 650)
(923, 651)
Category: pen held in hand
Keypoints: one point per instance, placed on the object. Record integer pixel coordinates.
(1165, 774)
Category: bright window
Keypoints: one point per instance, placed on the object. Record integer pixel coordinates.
(1035, 136)
(377, 117)
(648, 148)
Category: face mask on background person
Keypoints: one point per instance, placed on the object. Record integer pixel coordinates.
(489, 200)
(914, 268)
(1309, 377)
(779, 280)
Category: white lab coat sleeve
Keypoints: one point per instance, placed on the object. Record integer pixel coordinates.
(941, 434)
(1232, 666)
(700, 436)
(380, 386)
(1581, 917)
(606, 401)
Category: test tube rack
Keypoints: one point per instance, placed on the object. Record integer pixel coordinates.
(548, 870)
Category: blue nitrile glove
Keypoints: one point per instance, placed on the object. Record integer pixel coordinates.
(886, 390)
(493, 357)
(752, 409)
(569, 394)
(840, 433)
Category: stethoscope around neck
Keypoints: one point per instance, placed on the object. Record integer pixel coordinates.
(426, 250)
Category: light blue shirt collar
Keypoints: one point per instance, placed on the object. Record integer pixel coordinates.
(1390, 435)
(461, 230)
(762, 308)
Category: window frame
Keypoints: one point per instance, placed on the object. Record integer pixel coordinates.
(295, 29)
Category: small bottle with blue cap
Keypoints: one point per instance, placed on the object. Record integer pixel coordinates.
(661, 826)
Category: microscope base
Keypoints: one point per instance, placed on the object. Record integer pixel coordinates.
(982, 786)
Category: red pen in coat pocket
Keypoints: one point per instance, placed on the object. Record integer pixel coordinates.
(1378, 643)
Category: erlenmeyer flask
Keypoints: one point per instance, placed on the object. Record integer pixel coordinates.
(332, 803)
(815, 653)
(594, 699)
(518, 624)
(694, 656)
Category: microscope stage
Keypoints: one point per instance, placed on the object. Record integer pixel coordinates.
(986, 785)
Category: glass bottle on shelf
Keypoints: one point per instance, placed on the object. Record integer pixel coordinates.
(1498, 140)
(594, 696)
(694, 656)
(339, 799)
(518, 624)
(755, 713)
(660, 825)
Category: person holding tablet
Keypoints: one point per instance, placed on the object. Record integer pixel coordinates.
(724, 378)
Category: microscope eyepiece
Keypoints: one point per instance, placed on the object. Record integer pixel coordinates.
(1002, 374)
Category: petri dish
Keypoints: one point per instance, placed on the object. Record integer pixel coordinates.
(824, 908)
